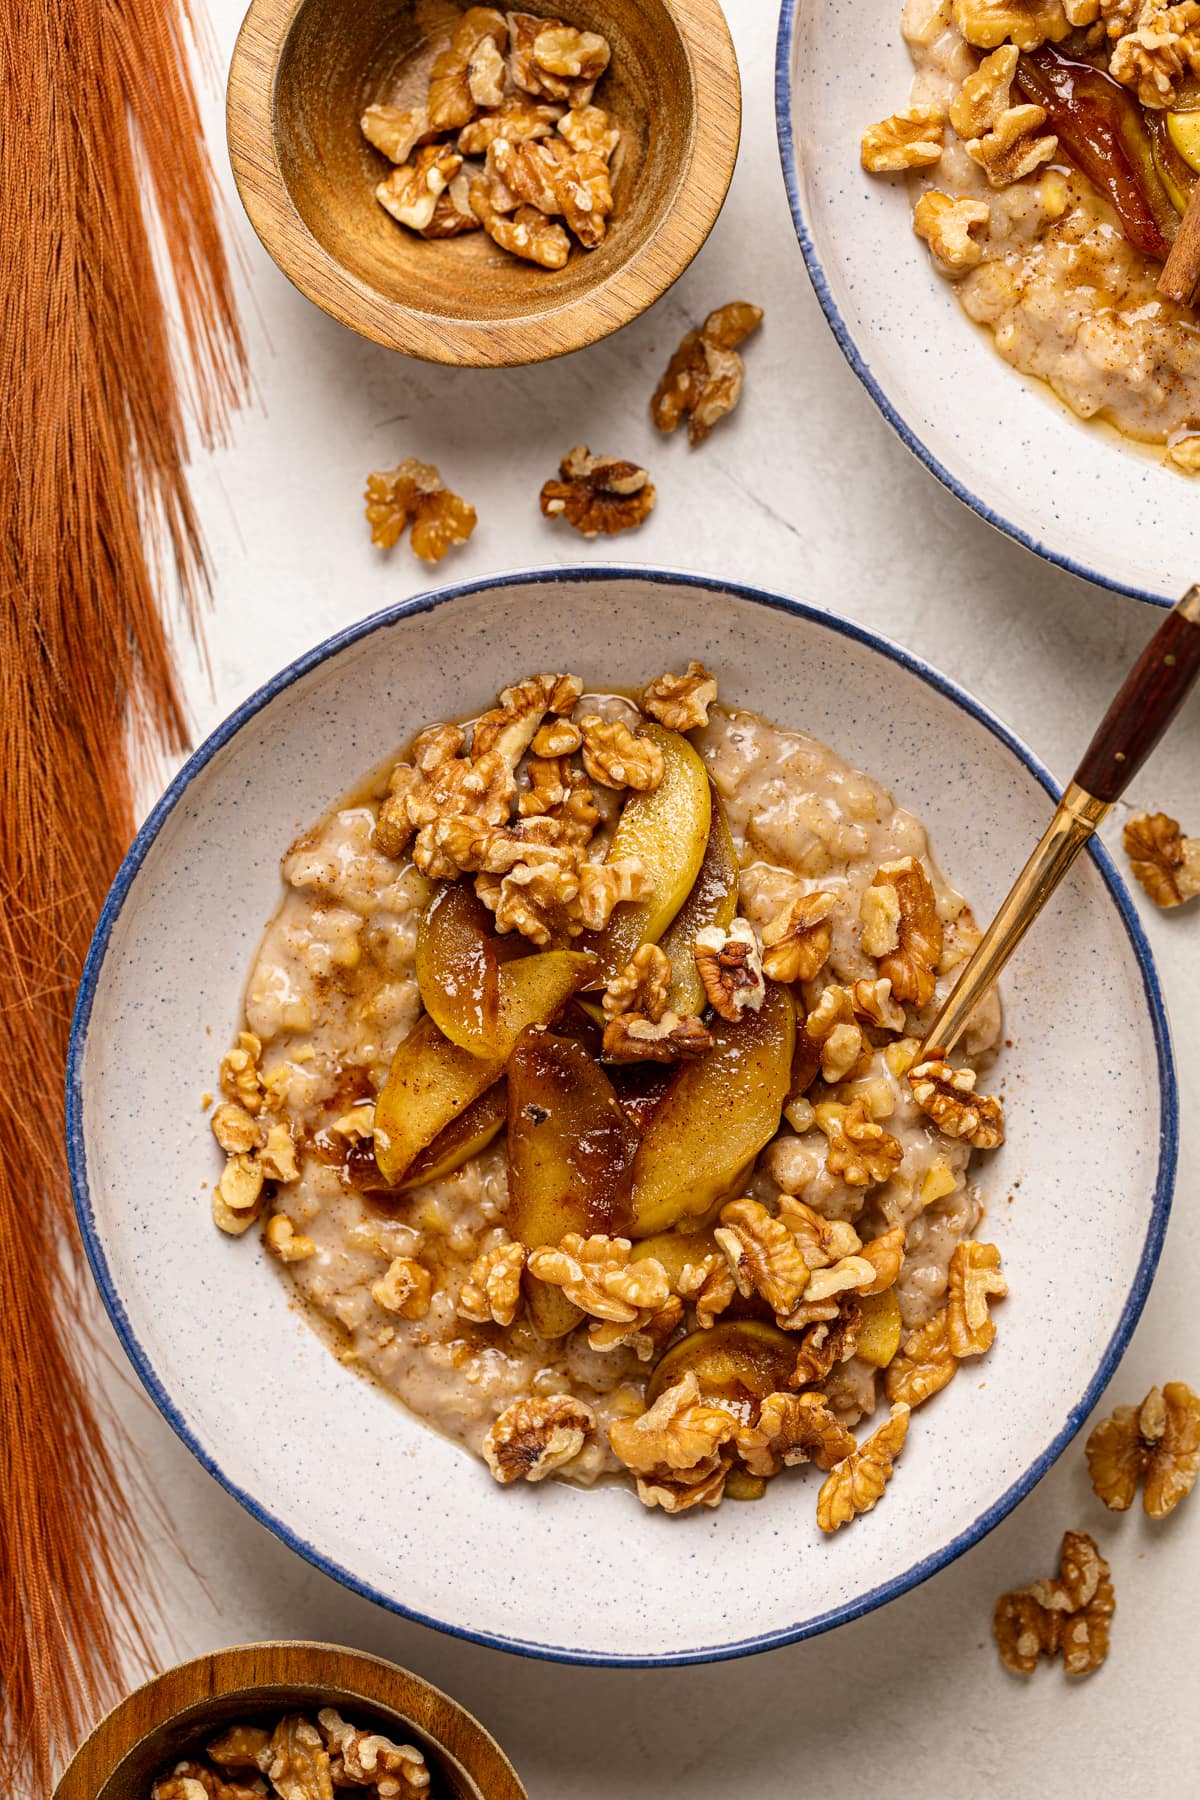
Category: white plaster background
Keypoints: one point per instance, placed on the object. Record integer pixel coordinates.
(806, 490)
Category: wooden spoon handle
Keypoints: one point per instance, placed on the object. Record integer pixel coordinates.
(1151, 695)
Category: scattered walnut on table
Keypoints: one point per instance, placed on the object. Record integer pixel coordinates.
(1071, 1614)
(907, 140)
(533, 1438)
(946, 225)
(948, 1096)
(491, 1293)
(367, 1759)
(681, 702)
(924, 1363)
(796, 942)
(703, 380)
(856, 1484)
(641, 987)
(413, 494)
(791, 1429)
(598, 494)
(974, 1280)
(674, 1449)
(763, 1254)
(729, 964)
(1165, 862)
(1156, 1443)
(860, 1151)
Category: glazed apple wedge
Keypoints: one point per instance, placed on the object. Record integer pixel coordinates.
(570, 1157)
(713, 900)
(736, 1364)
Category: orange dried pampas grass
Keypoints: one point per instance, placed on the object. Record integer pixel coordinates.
(99, 134)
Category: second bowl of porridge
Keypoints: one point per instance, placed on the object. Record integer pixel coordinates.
(576, 1173)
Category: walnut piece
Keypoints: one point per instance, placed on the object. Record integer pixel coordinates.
(791, 1429)
(469, 72)
(413, 494)
(974, 1279)
(240, 1747)
(288, 1244)
(1072, 1614)
(410, 193)
(518, 118)
(703, 380)
(641, 987)
(674, 1449)
(528, 234)
(910, 963)
(946, 226)
(924, 1363)
(396, 130)
(796, 942)
(763, 1254)
(646, 1336)
(1160, 51)
(709, 1286)
(556, 179)
(598, 494)
(906, 140)
(597, 1276)
(984, 96)
(190, 1780)
(822, 1241)
(491, 1293)
(535, 1437)
(833, 1026)
(1025, 23)
(729, 964)
(856, 1483)
(860, 1151)
(948, 1096)
(299, 1766)
(617, 757)
(1013, 148)
(1157, 1443)
(681, 702)
(405, 1289)
(822, 1346)
(550, 58)
(453, 215)
(1165, 862)
(366, 1759)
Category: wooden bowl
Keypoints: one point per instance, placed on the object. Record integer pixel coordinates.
(174, 1715)
(304, 70)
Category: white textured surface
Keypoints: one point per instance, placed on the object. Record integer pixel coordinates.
(805, 490)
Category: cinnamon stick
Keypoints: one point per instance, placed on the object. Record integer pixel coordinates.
(1180, 278)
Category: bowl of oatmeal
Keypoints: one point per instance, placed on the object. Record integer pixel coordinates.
(1018, 177)
(539, 1116)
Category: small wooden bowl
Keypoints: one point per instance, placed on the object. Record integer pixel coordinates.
(174, 1715)
(303, 72)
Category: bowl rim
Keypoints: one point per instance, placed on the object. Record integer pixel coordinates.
(786, 135)
(586, 573)
(476, 343)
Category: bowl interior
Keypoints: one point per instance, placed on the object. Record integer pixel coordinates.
(1078, 494)
(1077, 1208)
(336, 60)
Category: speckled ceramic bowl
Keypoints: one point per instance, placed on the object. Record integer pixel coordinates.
(1076, 494)
(379, 1500)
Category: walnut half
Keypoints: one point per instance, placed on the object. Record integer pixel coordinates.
(1165, 862)
(413, 493)
(598, 494)
(703, 380)
(1156, 1443)
(535, 1437)
(1072, 1613)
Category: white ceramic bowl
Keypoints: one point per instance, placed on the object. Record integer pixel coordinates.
(1002, 443)
(339, 1470)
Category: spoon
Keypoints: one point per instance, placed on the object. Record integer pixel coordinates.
(1150, 696)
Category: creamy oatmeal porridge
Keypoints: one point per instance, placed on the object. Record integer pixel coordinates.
(1051, 148)
(578, 1096)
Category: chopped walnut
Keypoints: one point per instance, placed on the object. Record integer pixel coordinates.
(518, 119)
(729, 964)
(948, 1096)
(597, 1276)
(491, 1293)
(874, 1006)
(827, 1343)
(413, 494)
(674, 1449)
(1013, 149)
(907, 140)
(763, 1254)
(396, 130)
(556, 739)
(1072, 1614)
(796, 942)
(617, 757)
(946, 226)
(833, 1025)
(598, 494)
(405, 1289)
(703, 380)
(528, 234)
(856, 1484)
(646, 1336)
(591, 129)
(453, 214)
(709, 1286)
(641, 987)
(240, 1747)
(791, 1429)
(549, 175)
(1157, 1443)
(533, 1438)
(604, 886)
(1026, 23)
(850, 1274)
(288, 1244)
(237, 1131)
(885, 1254)
(860, 1151)
(924, 1363)
(903, 894)
(681, 702)
(974, 1279)
(469, 72)
(1165, 862)
(1160, 52)
(364, 1758)
(190, 1780)
(278, 1155)
(299, 1766)
(239, 1074)
(550, 58)
(410, 193)
(822, 1241)
(984, 96)
(239, 1196)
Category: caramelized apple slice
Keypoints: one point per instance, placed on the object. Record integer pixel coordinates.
(464, 1137)
(668, 830)
(458, 968)
(715, 1117)
(879, 1333)
(570, 1154)
(737, 1365)
(432, 1081)
(712, 901)
(675, 1250)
